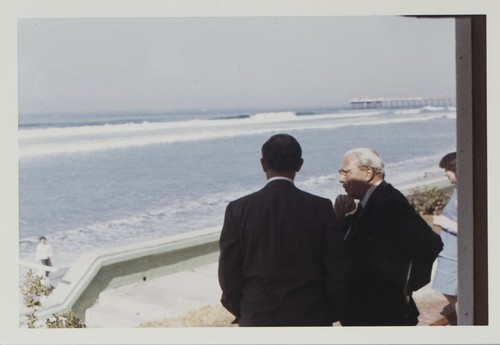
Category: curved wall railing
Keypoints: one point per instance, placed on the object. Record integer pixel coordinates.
(95, 272)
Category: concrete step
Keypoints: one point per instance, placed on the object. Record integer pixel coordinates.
(156, 299)
(112, 310)
(114, 316)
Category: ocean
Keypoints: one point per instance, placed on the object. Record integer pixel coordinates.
(88, 182)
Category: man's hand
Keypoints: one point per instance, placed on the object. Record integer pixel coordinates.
(343, 205)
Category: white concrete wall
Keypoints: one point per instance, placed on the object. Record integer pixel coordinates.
(95, 272)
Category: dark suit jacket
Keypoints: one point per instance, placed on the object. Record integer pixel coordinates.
(381, 243)
(283, 261)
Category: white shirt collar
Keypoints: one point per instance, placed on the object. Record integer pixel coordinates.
(276, 178)
(369, 193)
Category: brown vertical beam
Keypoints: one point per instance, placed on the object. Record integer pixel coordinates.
(478, 26)
(472, 170)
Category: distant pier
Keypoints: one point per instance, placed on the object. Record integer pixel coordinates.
(417, 102)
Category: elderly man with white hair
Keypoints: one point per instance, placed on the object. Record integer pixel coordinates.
(384, 236)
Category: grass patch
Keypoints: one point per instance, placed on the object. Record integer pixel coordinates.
(208, 316)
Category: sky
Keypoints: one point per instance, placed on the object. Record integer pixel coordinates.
(227, 63)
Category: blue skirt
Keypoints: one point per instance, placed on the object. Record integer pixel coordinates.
(445, 279)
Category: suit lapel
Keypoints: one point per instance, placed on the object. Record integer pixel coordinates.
(355, 221)
(358, 223)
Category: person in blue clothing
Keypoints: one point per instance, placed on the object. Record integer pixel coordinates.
(445, 279)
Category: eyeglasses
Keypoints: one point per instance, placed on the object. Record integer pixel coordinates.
(344, 172)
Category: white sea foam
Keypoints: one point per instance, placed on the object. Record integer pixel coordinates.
(408, 111)
(152, 224)
(71, 140)
(148, 127)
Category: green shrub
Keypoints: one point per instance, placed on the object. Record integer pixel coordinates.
(35, 289)
(430, 201)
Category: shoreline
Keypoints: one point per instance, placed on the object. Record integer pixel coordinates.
(406, 188)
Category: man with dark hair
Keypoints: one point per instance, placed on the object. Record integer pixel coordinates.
(282, 258)
(282, 153)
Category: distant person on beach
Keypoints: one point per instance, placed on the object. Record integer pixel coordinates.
(282, 258)
(445, 279)
(383, 235)
(44, 253)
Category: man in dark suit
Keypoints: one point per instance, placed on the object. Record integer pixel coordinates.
(282, 258)
(382, 236)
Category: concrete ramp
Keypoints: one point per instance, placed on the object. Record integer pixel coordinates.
(156, 299)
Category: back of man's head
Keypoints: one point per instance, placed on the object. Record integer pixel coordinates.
(282, 152)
